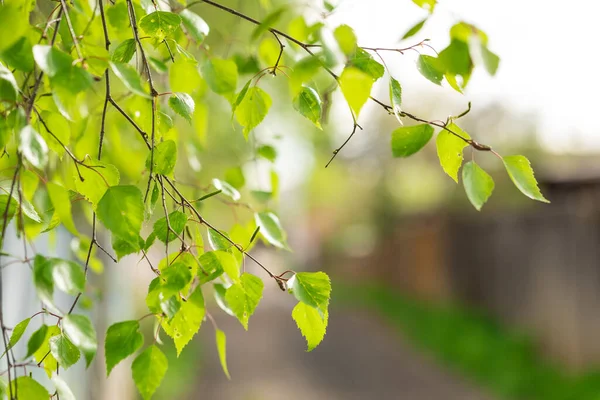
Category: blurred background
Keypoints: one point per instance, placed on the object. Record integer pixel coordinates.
(431, 299)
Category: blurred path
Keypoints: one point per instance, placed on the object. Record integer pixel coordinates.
(360, 359)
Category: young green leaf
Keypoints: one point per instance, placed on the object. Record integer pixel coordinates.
(28, 388)
(13, 23)
(478, 184)
(428, 5)
(240, 96)
(252, 109)
(33, 147)
(8, 85)
(62, 205)
(16, 334)
(408, 140)
(186, 322)
(356, 88)
(81, 333)
(221, 340)
(165, 157)
(346, 39)
(36, 340)
(226, 189)
(195, 25)
(96, 181)
(148, 370)
(211, 265)
(121, 210)
(271, 229)
(177, 221)
(415, 29)
(43, 355)
(124, 51)
(312, 288)
(182, 104)
(62, 388)
(65, 352)
(311, 323)
(520, 172)
(219, 293)
(267, 152)
(51, 60)
(490, 60)
(431, 68)
(160, 24)
(67, 276)
(456, 59)
(221, 75)
(365, 62)
(43, 281)
(217, 241)
(122, 340)
(243, 297)
(130, 78)
(450, 149)
(396, 97)
(308, 103)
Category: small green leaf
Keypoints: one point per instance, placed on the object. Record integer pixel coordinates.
(428, 5)
(243, 297)
(235, 177)
(130, 78)
(36, 340)
(356, 87)
(33, 147)
(13, 23)
(124, 51)
(61, 200)
(520, 172)
(312, 288)
(219, 293)
(148, 370)
(252, 109)
(267, 152)
(67, 276)
(365, 62)
(240, 96)
(122, 340)
(217, 241)
(308, 103)
(62, 388)
(311, 323)
(16, 334)
(177, 221)
(165, 157)
(160, 24)
(43, 281)
(478, 184)
(96, 181)
(271, 229)
(220, 75)
(226, 189)
(182, 104)
(396, 96)
(28, 388)
(490, 60)
(346, 39)
(408, 140)
(211, 265)
(81, 333)
(450, 149)
(121, 210)
(51, 60)
(8, 85)
(221, 340)
(195, 25)
(456, 59)
(64, 351)
(267, 22)
(431, 68)
(415, 29)
(186, 323)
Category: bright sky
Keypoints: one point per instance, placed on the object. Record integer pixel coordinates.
(550, 60)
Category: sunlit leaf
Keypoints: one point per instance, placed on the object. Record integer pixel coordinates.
(65, 352)
(81, 333)
(160, 24)
(252, 109)
(308, 103)
(122, 340)
(129, 76)
(408, 140)
(186, 322)
(478, 184)
(221, 340)
(356, 87)
(414, 29)
(195, 25)
(124, 51)
(311, 323)
(164, 158)
(520, 172)
(182, 104)
(271, 229)
(450, 149)
(149, 369)
(431, 68)
(243, 297)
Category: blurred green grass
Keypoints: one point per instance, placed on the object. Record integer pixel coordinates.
(499, 359)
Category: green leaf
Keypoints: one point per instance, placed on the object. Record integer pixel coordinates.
(311, 323)
(19, 55)
(520, 172)
(96, 181)
(226, 189)
(490, 60)
(365, 62)
(235, 177)
(211, 265)
(62, 388)
(396, 96)
(415, 29)
(346, 39)
(186, 323)
(195, 25)
(267, 22)
(51, 60)
(165, 157)
(16, 334)
(450, 149)
(308, 103)
(160, 24)
(149, 369)
(312, 288)
(81, 333)
(177, 220)
(408, 140)
(43, 281)
(252, 109)
(240, 96)
(8, 85)
(428, 5)
(219, 293)
(130, 78)
(43, 354)
(28, 388)
(271, 229)
(36, 340)
(67, 276)
(243, 297)
(182, 104)
(456, 59)
(121, 210)
(220, 75)
(356, 87)
(122, 340)
(267, 152)
(431, 68)
(217, 241)
(221, 340)
(13, 23)
(33, 147)
(63, 351)
(62, 205)
(478, 184)
(124, 51)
